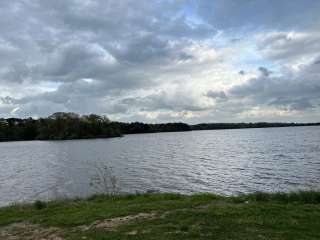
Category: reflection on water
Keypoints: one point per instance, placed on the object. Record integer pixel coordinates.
(224, 162)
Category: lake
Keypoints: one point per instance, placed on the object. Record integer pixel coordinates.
(218, 161)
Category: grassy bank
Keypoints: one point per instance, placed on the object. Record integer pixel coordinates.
(167, 216)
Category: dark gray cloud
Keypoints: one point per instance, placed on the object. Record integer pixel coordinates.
(264, 71)
(169, 59)
(74, 61)
(176, 101)
(272, 14)
(66, 40)
(293, 92)
(218, 95)
(289, 45)
(7, 100)
(299, 104)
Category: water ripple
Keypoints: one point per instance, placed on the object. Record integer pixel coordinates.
(223, 162)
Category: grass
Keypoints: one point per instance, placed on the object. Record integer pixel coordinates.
(174, 216)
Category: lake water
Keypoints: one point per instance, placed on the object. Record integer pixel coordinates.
(223, 161)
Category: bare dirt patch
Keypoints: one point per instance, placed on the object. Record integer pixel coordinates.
(118, 221)
(28, 231)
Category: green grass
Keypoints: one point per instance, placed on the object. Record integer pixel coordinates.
(203, 216)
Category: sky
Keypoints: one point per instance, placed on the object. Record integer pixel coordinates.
(162, 60)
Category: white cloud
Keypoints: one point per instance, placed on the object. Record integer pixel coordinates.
(159, 60)
(299, 47)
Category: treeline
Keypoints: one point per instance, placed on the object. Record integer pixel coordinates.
(58, 126)
(216, 126)
(138, 127)
(63, 126)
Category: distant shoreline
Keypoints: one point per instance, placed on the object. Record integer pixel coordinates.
(71, 126)
(193, 130)
(217, 126)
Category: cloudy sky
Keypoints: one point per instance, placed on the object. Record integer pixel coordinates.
(161, 60)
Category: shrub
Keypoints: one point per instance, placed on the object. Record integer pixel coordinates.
(105, 181)
(39, 205)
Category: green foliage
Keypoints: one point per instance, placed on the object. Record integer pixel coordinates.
(39, 205)
(57, 127)
(307, 197)
(137, 127)
(64, 126)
